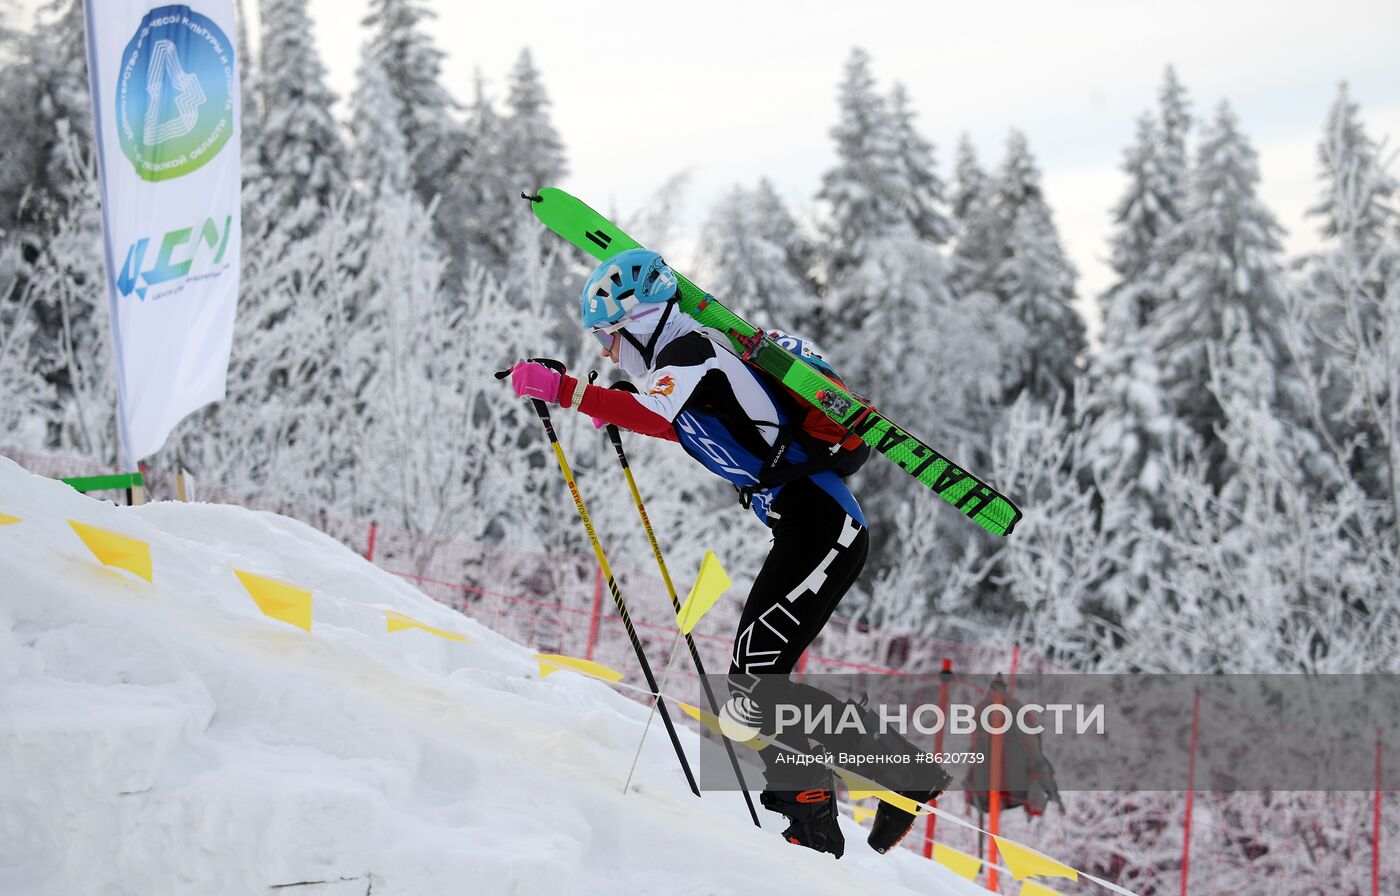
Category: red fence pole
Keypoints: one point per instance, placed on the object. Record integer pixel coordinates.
(1190, 790)
(1376, 826)
(369, 551)
(994, 784)
(945, 675)
(595, 615)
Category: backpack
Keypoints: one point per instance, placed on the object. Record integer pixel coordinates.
(829, 446)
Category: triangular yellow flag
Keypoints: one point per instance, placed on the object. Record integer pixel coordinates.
(1031, 888)
(711, 721)
(277, 599)
(6, 519)
(960, 863)
(1024, 861)
(113, 549)
(553, 662)
(710, 583)
(859, 788)
(862, 814)
(397, 622)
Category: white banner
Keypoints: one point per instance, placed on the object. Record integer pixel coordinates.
(165, 97)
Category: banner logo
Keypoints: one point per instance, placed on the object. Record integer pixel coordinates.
(175, 93)
(175, 258)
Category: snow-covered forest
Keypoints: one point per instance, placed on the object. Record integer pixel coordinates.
(1211, 485)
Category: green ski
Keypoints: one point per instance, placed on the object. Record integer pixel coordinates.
(585, 228)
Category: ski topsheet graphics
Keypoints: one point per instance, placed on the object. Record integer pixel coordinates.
(596, 235)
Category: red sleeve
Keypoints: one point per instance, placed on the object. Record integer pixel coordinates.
(618, 408)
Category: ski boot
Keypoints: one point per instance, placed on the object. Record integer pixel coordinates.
(892, 823)
(812, 818)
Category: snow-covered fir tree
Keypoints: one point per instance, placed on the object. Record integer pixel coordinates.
(1144, 212)
(969, 180)
(1227, 283)
(864, 191)
(985, 242)
(1011, 249)
(1037, 281)
(758, 258)
(401, 43)
(528, 138)
(1349, 307)
(300, 148)
(1130, 432)
(924, 204)
(250, 124)
(1175, 111)
(492, 179)
(1357, 201)
(44, 95)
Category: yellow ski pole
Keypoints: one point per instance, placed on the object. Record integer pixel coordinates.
(542, 410)
(616, 437)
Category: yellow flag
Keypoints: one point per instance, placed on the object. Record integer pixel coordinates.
(860, 788)
(711, 721)
(1031, 888)
(1024, 861)
(397, 622)
(113, 549)
(862, 814)
(280, 600)
(960, 863)
(553, 662)
(6, 519)
(710, 583)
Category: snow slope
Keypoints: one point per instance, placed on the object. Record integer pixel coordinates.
(169, 738)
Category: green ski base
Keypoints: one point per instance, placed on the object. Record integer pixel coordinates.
(585, 228)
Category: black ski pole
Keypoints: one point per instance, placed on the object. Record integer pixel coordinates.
(542, 410)
(616, 438)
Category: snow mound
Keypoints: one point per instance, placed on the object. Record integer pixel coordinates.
(169, 738)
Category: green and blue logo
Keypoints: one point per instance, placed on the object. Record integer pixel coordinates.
(175, 259)
(175, 93)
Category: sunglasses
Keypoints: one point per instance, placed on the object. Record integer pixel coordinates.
(605, 333)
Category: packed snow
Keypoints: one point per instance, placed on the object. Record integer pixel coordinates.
(170, 738)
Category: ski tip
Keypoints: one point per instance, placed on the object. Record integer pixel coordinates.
(532, 197)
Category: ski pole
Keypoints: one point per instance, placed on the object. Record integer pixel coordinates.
(616, 437)
(542, 410)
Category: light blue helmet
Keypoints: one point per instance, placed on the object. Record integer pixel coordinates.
(628, 279)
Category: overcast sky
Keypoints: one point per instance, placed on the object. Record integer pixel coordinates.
(732, 91)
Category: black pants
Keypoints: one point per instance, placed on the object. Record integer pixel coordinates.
(818, 550)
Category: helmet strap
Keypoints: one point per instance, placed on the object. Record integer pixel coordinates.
(646, 350)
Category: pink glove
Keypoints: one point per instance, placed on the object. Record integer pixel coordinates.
(533, 380)
(599, 423)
